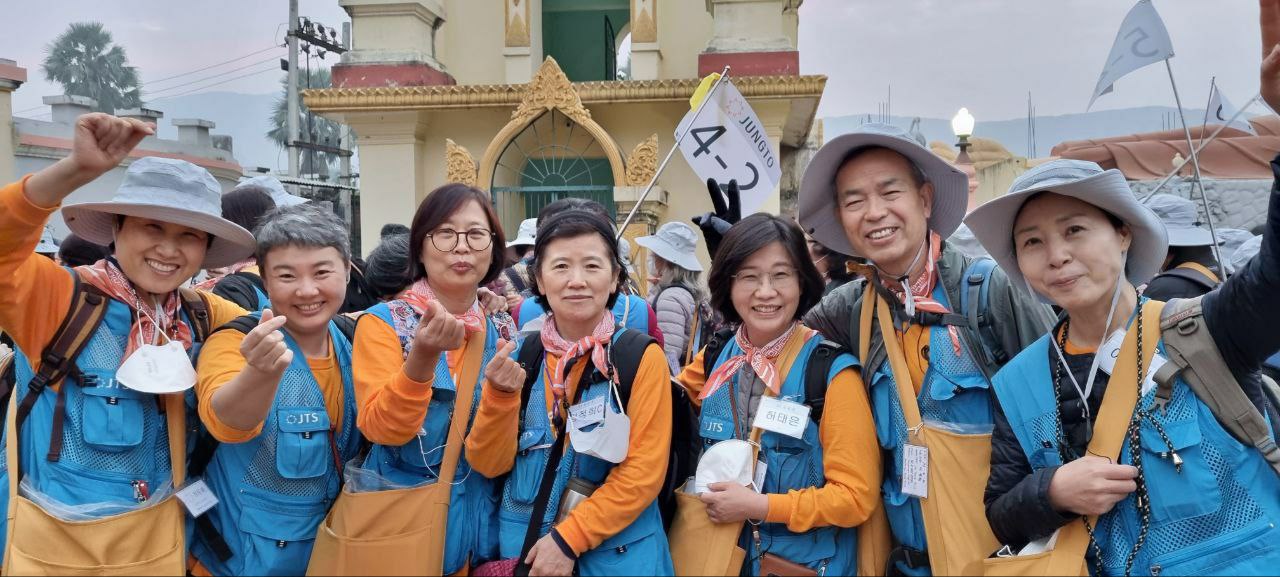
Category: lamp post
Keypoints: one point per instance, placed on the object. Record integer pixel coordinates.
(962, 126)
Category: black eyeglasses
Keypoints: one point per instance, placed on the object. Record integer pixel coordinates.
(446, 239)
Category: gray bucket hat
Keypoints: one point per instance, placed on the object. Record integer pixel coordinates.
(1181, 218)
(47, 243)
(675, 242)
(966, 243)
(817, 211)
(168, 190)
(526, 234)
(279, 195)
(1108, 190)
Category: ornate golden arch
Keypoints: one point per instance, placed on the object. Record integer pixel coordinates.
(550, 90)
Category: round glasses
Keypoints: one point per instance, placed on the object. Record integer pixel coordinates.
(752, 281)
(446, 239)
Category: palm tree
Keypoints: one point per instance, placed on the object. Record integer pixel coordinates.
(311, 127)
(86, 63)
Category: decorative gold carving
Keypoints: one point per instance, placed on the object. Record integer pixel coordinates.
(644, 21)
(459, 164)
(506, 95)
(642, 164)
(517, 21)
(549, 90)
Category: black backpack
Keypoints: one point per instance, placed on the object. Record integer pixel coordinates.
(626, 353)
(815, 373)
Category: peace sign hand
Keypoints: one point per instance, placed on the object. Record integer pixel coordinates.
(503, 372)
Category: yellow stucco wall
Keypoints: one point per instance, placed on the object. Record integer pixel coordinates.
(470, 42)
(684, 28)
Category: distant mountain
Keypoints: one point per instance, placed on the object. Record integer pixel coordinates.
(245, 117)
(1050, 130)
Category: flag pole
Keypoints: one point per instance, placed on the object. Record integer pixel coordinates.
(1213, 85)
(1206, 142)
(674, 147)
(1195, 164)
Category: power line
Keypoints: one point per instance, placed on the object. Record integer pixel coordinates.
(199, 80)
(220, 82)
(159, 80)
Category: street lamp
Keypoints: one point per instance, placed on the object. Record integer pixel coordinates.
(962, 126)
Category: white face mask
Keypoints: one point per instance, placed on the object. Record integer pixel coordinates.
(158, 369)
(609, 440)
(726, 461)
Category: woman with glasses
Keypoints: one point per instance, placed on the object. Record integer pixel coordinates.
(774, 394)
(584, 453)
(420, 364)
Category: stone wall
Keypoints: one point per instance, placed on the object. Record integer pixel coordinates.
(1232, 203)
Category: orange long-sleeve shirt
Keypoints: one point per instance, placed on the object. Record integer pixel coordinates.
(391, 405)
(850, 458)
(221, 361)
(630, 487)
(35, 292)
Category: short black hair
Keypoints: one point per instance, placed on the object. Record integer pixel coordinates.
(570, 224)
(387, 268)
(75, 251)
(746, 238)
(392, 229)
(573, 203)
(246, 205)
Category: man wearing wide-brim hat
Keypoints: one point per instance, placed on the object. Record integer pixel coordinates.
(105, 420)
(877, 194)
(1190, 268)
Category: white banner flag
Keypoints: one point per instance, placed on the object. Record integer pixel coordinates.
(726, 141)
(1221, 110)
(1142, 40)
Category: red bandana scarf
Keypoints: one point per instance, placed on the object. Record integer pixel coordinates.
(150, 321)
(921, 295)
(420, 295)
(761, 358)
(595, 344)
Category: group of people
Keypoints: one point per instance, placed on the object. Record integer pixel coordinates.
(489, 413)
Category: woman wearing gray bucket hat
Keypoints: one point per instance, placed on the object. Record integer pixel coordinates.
(121, 331)
(877, 194)
(675, 293)
(1190, 268)
(1096, 443)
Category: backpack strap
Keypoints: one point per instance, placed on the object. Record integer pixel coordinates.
(625, 354)
(241, 288)
(1195, 358)
(1194, 272)
(530, 359)
(975, 305)
(88, 308)
(815, 377)
(715, 345)
(198, 310)
(347, 325)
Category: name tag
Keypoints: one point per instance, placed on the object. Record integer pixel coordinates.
(758, 479)
(197, 498)
(1109, 352)
(587, 413)
(782, 417)
(915, 470)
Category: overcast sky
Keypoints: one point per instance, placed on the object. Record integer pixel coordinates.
(938, 55)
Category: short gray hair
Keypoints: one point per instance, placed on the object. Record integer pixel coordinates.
(305, 225)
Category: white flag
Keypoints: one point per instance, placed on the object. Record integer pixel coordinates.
(1221, 110)
(726, 141)
(1142, 40)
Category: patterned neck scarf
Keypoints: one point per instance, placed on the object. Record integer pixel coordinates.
(420, 295)
(595, 344)
(920, 295)
(762, 361)
(208, 284)
(150, 322)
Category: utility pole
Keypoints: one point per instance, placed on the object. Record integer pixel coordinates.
(292, 121)
(344, 174)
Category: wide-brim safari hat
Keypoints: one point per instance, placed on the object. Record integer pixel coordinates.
(1108, 190)
(1181, 220)
(817, 211)
(167, 190)
(675, 242)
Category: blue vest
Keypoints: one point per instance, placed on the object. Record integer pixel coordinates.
(954, 391)
(1217, 515)
(630, 310)
(263, 300)
(639, 549)
(112, 436)
(790, 464)
(472, 533)
(275, 489)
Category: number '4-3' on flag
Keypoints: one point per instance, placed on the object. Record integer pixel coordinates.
(1142, 40)
(726, 141)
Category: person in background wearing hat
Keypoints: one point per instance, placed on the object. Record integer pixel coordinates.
(48, 247)
(1190, 268)
(1163, 488)
(1229, 240)
(276, 391)
(519, 253)
(275, 188)
(675, 293)
(164, 224)
(879, 195)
